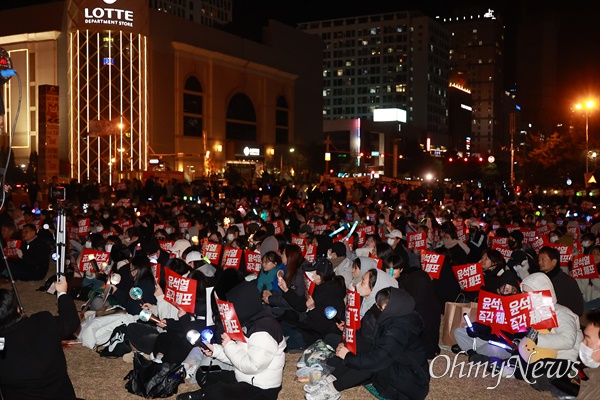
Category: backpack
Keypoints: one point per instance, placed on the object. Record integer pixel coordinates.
(117, 345)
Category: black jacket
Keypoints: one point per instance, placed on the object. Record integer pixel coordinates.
(419, 285)
(398, 359)
(33, 365)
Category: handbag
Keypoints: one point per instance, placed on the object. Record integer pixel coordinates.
(453, 318)
(153, 380)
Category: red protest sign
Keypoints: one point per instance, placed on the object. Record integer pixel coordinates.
(212, 251)
(505, 251)
(311, 253)
(279, 227)
(121, 186)
(542, 230)
(352, 309)
(416, 241)
(83, 226)
(180, 291)
(165, 245)
(309, 284)
(184, 226)
(11, 248)
(566, 253)
(160, 226)
(350, 339)
(499, 241)
(462, 235)
(537, 244)
(318, 229)
(85, 263)
(528, 236)
(230, 320)
(232, 257)
(490, 311)
(377, 260)
(253, 261)
(584, 267)
(534, 309)
(432, 263)
(126, 203)
(469, 276)
(155, 267)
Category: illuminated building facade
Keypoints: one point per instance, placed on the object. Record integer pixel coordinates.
(136, 84)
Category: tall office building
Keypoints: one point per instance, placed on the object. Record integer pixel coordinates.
(476, 61)
(392, 60)
(203, 12)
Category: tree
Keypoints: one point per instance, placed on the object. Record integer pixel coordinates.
(550, 159)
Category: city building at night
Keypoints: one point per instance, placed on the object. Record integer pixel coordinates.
(392, 60)
(115, 88)
(476, 62)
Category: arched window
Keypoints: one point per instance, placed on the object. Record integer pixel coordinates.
(192, 107)
(281, 121)
(241, 119)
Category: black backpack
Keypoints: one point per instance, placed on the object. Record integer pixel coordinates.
(117, 345)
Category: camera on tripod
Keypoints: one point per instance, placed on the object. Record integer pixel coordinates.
(58, 193)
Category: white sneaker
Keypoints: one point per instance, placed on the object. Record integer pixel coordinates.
(326, 393)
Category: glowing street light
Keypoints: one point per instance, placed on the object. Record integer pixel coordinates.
(588, 106)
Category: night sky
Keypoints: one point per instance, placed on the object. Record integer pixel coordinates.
(579, 38)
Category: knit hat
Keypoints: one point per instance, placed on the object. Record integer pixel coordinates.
(323, 266)
(269, 244)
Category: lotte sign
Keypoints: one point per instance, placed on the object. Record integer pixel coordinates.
(116, 15)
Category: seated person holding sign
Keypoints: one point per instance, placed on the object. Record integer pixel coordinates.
(556, 349)
(396, 365)
(257, 361)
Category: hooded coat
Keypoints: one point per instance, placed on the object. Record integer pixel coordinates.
(567, 336)
(260, 360)
(383, 281)
(398, 359)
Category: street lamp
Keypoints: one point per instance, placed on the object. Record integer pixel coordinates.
(588, 106)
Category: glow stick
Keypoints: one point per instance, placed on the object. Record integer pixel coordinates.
(354, 225)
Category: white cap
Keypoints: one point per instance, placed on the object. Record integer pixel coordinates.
(395, 234)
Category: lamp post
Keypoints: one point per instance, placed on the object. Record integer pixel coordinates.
(588, 106)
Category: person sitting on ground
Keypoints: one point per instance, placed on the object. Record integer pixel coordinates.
(35, 341)
(566, 288)
(397, 365)
(257, 363)
(589, 354)
(562, 342)
(418, 284)
(311, 323)
(33, 257)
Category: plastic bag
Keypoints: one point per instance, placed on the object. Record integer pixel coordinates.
(312, 365)
(317, 353)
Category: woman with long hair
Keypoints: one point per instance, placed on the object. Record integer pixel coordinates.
(294, 278)
(137, 274)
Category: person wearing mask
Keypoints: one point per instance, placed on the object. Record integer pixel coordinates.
(589, 354)
(394, 239)
(257, 363)
(396, 365)
(35, 341)
(566, 288)
(342, 266)
(587, 242)
(522, 261)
